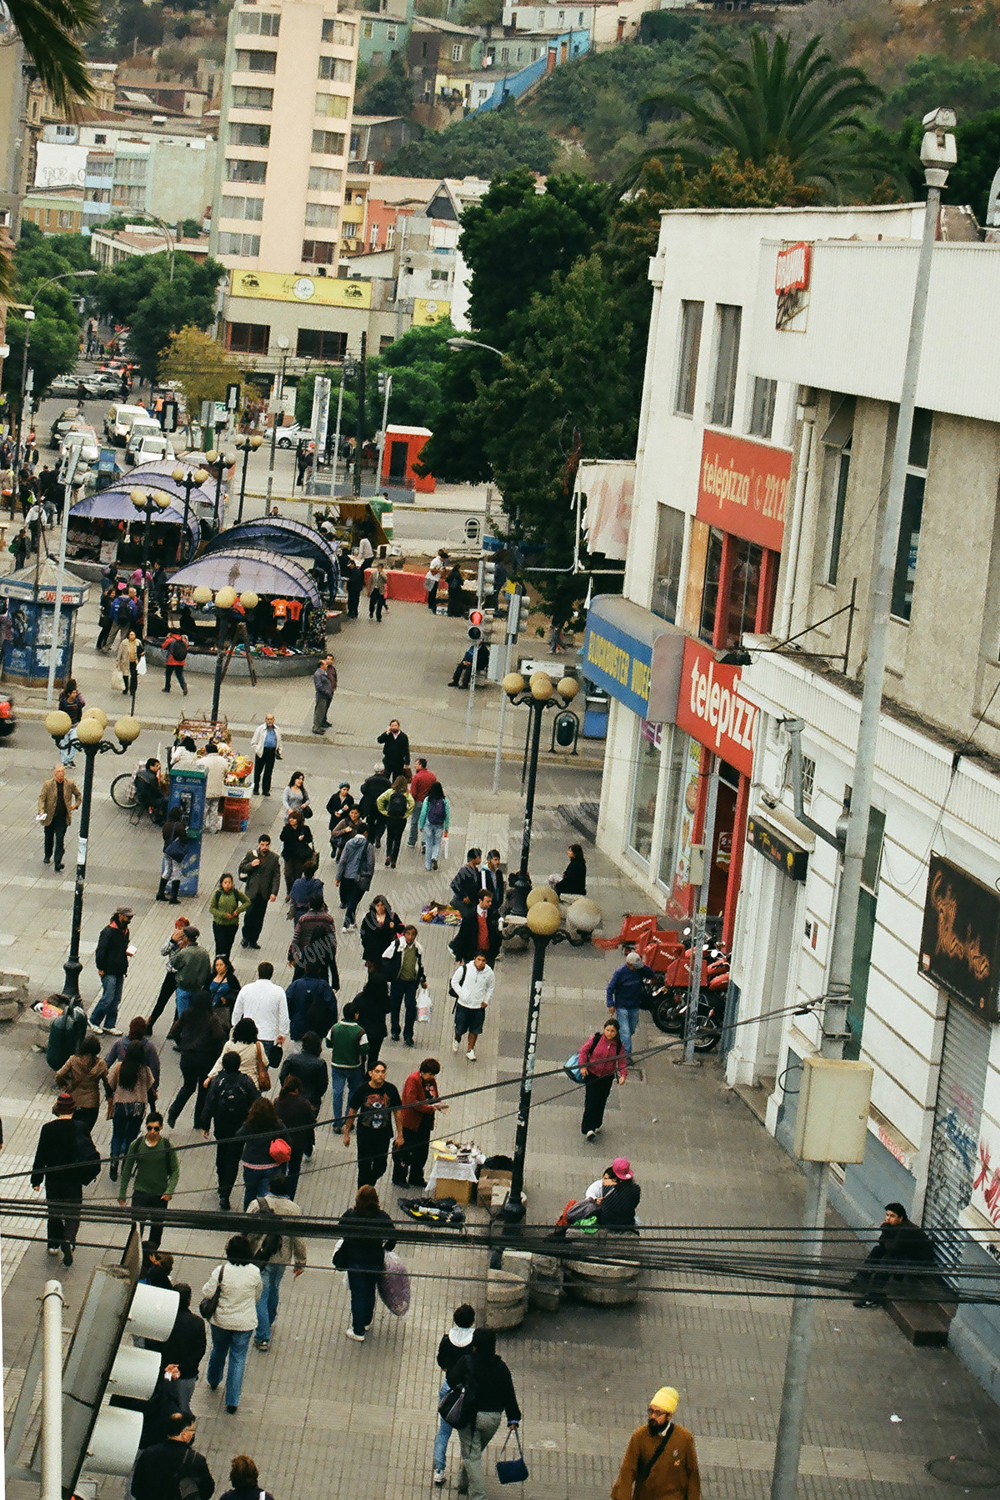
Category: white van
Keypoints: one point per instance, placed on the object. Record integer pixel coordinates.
(118, 422)
(147, 445)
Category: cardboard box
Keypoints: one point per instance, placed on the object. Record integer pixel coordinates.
(493, 1187)
(458, 1188)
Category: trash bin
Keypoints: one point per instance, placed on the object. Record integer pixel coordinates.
(235, 813)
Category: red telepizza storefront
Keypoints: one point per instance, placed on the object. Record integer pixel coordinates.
(732, 580)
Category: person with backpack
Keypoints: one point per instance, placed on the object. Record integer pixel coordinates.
(273, 1252)
(454, 1344)
(312, 1006)
(66, 1160)
(175, 650)
(433, 823)
(66, 1032)
(308, 1067)
(471, 988)
(395, 806)
(155, 1165)
(227, 1104)
(225, 908)
(485, 1378)
(660, 1461)
(600, 1061)
(175, 848)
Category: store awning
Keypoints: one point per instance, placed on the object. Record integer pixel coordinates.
(245, 568)
(116, 505)
(608, 488)
(634, 655)
(283, 535)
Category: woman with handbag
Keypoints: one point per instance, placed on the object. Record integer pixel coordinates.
(297, 849)
(130, 653)
(363, 1257)
(229, 1306)
(265, 1149)
(482, 1375)
(253, 1060)
(128, 1086)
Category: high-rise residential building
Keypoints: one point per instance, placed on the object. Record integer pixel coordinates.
(284, 136)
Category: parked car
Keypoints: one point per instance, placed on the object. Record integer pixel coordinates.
(148, 446)
(63, 423)
(289, 437)
(8, 718)
(103, 384)
(64, 385)
(81, 436)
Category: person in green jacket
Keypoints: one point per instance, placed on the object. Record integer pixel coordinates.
(154, 1162)
(395, 805)
(349, 1045)
(226, 906)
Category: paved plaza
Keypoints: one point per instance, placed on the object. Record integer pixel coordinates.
(324, 1417)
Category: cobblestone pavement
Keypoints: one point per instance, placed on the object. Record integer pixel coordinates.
(325, 1417)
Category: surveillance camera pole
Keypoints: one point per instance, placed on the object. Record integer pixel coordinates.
(937, 153)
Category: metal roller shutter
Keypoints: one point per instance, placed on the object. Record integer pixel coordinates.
(957, 1117)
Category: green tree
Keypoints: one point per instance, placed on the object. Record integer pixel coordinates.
(481, 13)
(391, 93)
(138, 292)
(970, 84)
(199, 365)
(139, 24)
(770, 104)
(484, 145)
(55, 331)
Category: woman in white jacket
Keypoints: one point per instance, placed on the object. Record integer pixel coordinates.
(239, 1284)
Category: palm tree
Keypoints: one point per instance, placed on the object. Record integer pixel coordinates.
(49, 30)
(804, 110)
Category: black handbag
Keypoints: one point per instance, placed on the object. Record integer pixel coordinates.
(209, 1306)
(458, 1405)
(512, 1470)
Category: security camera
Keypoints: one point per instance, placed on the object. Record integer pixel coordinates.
(937, 149)
(940, 119)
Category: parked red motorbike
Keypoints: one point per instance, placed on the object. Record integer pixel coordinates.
(668, 1000)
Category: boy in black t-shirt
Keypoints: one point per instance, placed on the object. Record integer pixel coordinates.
(374, 1107)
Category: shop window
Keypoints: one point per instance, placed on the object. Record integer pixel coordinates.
(321, 343)
(762, 407)
(913, 505)
(692, 314)
(746, 561)
(248, 338)
(644, 789)
(728, 320)
(667, 562)
(864, 933)
(713, 582)
(678, 776)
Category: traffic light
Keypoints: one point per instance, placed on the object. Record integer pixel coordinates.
(381, 382)
(488, 578)
(475, 624)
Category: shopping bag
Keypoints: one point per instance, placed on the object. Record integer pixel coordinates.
(444, 847)
(394, 1285)
(423, 1001)
(140, 666)
(512, 1470)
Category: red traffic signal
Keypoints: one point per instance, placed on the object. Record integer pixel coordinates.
(475, 624)
(475, 617)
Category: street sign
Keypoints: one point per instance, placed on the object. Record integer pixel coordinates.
(232, 396)
(168, 416)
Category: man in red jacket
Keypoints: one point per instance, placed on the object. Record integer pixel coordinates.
(420, 1101)
(420, 784)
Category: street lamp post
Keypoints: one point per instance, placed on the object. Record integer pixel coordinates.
(543, 921)
(225, 603)
(146, 501)
(247, 444)
(460, 343)
(221, 461)
(90, 733)
(359, 439)
(189, 479)
(278, 392)
(29, 318)
(540, 693)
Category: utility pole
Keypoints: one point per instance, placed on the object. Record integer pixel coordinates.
(937, 153)
(700, 914)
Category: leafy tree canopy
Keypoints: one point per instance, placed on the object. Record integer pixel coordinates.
(389, 94)
(416, 362)
(481, 13)
(481, 146)
(971, 85)
(55, 331)
(200, 365)
(139, 293)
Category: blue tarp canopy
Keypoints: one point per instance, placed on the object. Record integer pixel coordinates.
(115, 504)
(245, 568)
(160, 476)
(283, 535)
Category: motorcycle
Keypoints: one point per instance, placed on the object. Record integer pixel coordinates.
(669, 1000)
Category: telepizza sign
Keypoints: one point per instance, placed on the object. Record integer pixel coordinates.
(712, 710)
(743, 487)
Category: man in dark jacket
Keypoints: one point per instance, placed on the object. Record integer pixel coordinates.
(371, 790)
(184, 1348)
(313, 949)
(493, 879)
(626, 992)
(230, 1095)
(312, 1006)
(111, 960)
(65, 1159)
(309, 1068)
(160, 1469)
(468, 881)
(904, 1250)
(479, 932)
(395, 749)
(260, 872)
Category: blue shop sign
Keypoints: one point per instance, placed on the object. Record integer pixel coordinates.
(614, 659)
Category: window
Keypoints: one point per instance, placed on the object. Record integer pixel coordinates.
(909, 526)
(744, 586)
(246, 171)
(100, 140)
(864, 934)
(687, 362)
(341, 33)
(667, 562)
(249, 135)
(440, 275)
(321, 343)
(321, 214)
(727, 354)
(390, 236)
(762, 407)
(335, 69)
(331, 106)
(390, 33)
(130, 169)
(100, 168)
(647, 776)
(255, 62)
(710, 589)
(456, 52)
(239, 244)
(259, 23)
(320, 252)
(328, 143)
(67, 132)
(323, 180)
(248, 338)
(242, 208)
(65, 219)
(367, 31)
(246, 96)
(836, 441)
(350, 230)
(679, 775)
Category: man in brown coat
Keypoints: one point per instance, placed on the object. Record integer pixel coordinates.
(57, 802)
(660, 1462)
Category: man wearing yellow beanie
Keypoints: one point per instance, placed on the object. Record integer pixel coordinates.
(660, 1462)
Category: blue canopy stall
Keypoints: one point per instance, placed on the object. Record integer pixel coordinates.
(289, 618)
(288, 537)
(106, 527)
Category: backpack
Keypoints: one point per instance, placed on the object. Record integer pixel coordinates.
(65, 1034)
(435, 812)
(231, 1103)
(178, 650)
(271, 1244)
(88, 1158)
(396, 805)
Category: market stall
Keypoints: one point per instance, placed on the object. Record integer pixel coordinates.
(286, 628)
(354, 519)
(106, 527)
(288, 538)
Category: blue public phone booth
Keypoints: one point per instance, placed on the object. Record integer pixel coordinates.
(187, 794)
